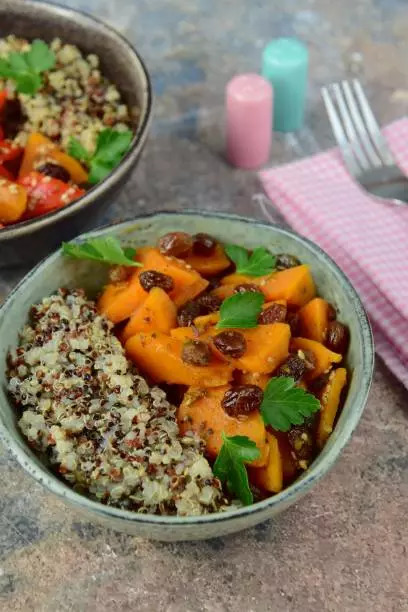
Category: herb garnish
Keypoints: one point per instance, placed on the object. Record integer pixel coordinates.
(107, 250)
(25, 68)
(229, 466)
(259, 263)
(284, 404)
(111, 146)
(241, 310)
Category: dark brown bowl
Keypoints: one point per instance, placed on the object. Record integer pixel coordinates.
(28, 241)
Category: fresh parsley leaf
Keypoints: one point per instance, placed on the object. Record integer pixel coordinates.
(107, 250)
(241, 310)
(25, 68)
(284, 404)
(40, 57)
(28, 83)
(75, 149)
(237, 254)
(111, 146)
(98, 171)
(260, 262)
(18, 62)
(129, 252)
(229, 466)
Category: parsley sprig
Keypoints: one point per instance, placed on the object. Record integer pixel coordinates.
(107, 250)
(230, 468)
(284, 404)
(111, 146)
(259, 263)
(25, 68)
(241, 310)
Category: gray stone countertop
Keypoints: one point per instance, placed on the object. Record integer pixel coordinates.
(344, 546)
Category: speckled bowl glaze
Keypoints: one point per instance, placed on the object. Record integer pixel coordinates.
(57, 271)
(28, 241)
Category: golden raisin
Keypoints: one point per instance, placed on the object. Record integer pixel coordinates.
(176, 244)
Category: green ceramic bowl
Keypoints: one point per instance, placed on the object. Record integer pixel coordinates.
(57, 271)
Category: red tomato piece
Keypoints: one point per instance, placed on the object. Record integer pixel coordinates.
(6, 173)
(46, 194)
(3, 99)
(9, 151)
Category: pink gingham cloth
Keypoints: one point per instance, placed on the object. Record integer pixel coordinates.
(367, 239)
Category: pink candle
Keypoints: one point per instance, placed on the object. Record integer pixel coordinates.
(248, 104)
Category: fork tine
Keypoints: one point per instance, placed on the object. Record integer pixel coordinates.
(354, 140)
(360, 126)
(372, 125)
(339, 133)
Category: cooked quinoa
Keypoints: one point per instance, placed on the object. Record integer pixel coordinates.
(75, 100)
(97, 421)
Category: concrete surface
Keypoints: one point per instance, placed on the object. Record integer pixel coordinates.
(344, 547)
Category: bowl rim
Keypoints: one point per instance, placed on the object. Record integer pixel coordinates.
(23, 228)
(298, 488)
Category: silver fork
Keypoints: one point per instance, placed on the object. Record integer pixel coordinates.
(364, 148)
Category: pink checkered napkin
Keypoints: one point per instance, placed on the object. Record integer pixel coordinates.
(367, 239)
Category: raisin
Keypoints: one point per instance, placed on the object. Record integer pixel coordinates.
(196, 353)
(55, 171)
(247, 288)
(242, 399)
(301, 440)
(151, 278)
(294, 366)
(275, 313)
(204, 244)
(176, 244)
(292, 319)
(187, 314)
(319, 383)
(230, 343)
(285, 261)
(213, 283)
(209, 303)
(203, 305)
(337, 337)
(331, 313)
(12, 118)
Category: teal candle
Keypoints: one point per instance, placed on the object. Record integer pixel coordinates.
(285, 65)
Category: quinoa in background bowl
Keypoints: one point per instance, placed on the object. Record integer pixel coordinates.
(125, 74)
(75, 99)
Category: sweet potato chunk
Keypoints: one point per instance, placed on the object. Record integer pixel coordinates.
(184, 333)
(209, 265)
(119, 300)
(204, 322)
(267, 347)
(157, 313)
(223, 291)
(252, 378)
(314, 320)
(294, 285)
(159, 357)
(239, 279)
(323, 356)
(330, 401)
(269, 477)
(201, 411)
(187, 282)
(289, 467)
